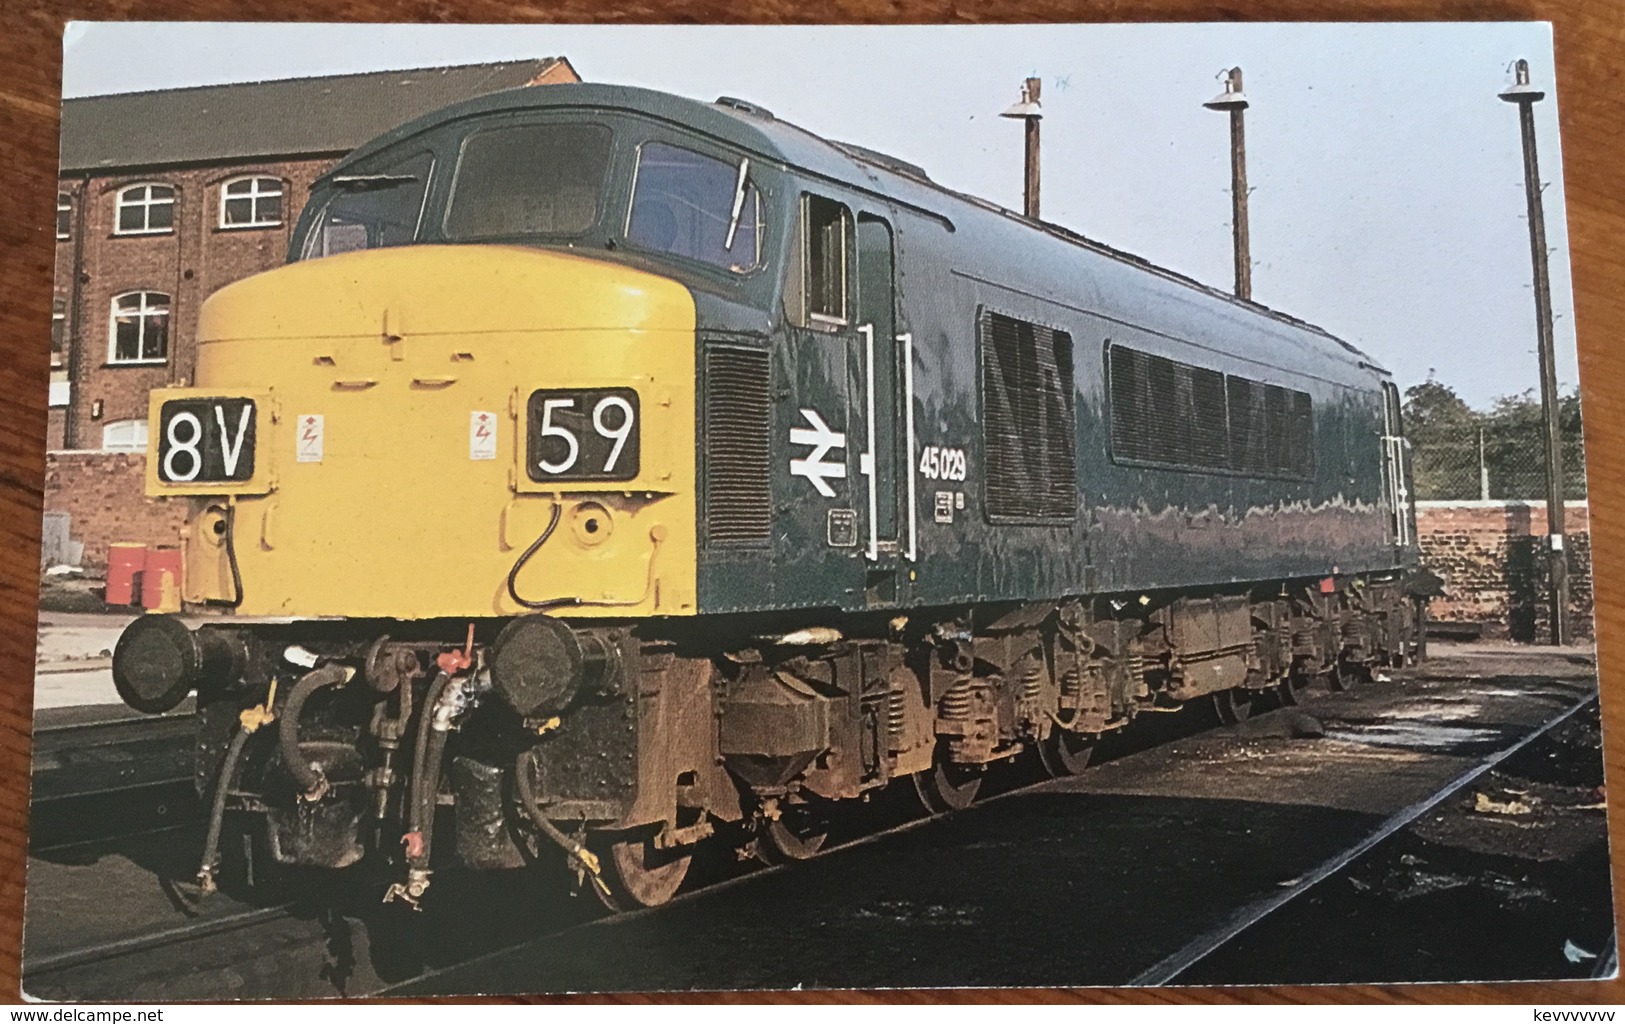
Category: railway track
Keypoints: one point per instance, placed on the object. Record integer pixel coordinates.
(1170, 969)
(97, 953)
(103, 772)
(307, 951)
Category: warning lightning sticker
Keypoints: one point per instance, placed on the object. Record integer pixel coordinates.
(308, 447)
(482, 436)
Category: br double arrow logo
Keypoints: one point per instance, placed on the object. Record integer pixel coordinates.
(823, 441)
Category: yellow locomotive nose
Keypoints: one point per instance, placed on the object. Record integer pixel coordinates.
(419, 417)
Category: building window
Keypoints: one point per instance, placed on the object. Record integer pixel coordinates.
(59, 323)
(139, 332)
(145, 210)
(64, 215)
(125, 435)
(1029, 420)
(827, 225)
(251, 203)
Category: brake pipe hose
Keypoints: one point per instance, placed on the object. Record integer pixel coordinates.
(413, 839)
(249, 722)
(574, 850)
(307, 776)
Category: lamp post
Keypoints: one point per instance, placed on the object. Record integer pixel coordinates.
(1526, 96)
(1030, 112)
(1234, 101)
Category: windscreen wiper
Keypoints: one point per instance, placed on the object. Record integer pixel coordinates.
(370, 182)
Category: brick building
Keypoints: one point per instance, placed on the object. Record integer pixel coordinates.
(165, 197)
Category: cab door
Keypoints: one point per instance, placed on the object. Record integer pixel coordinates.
(1396, 471)
(884, 461)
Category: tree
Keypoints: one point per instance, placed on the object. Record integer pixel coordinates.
(1452, 444)
(1443, 431)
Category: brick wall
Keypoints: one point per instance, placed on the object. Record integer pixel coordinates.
(190, 263)
(102, 493)
(1492, 556)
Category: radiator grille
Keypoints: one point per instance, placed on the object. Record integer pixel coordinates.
(738, 456)
(1029, 425)
(1270, 429)
(1175, 414)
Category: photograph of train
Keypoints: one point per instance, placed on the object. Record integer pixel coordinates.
(540, 509)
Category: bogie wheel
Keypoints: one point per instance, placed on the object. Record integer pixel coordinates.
(798, 833)
(947, 787)
(639, 874)
(1345, 674)
(1286, 691)
(1065, 752)
(1233, 705)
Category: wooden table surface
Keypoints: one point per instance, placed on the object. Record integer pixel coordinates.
(1590, 38)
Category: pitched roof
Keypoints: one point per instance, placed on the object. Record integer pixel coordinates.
(252, 120)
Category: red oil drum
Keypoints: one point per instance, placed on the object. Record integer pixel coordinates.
(163, 572)
(124, 562)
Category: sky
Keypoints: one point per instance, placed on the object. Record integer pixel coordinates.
(1387, 199)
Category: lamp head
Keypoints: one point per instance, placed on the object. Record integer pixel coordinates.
(1521, 91)
(1232, 98)
(1029, 107)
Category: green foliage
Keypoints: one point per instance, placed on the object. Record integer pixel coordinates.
(1453, 445)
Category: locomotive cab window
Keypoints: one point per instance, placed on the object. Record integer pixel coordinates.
(695, 206)
(1029, 420)
(826, 232)
(528, 180)
(370, 210)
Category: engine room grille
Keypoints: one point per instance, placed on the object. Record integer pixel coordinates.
(1029, 420)
(1167, 412)
(737, 454)
(1191, 417)
(1269, 429)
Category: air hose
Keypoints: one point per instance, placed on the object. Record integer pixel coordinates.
(308, 777)
(415, 848)
(574, 850)
(217, 814)
(249, 722)
(431, 792)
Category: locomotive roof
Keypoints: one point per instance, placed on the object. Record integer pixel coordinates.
(755, 130)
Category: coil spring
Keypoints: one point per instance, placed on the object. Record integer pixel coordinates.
(956, 703)
(1071, 684)
(896, 711)
(1032, 682)
(1134, 665)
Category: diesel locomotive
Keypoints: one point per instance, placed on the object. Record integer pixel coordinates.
(607, 473)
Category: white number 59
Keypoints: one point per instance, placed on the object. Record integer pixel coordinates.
(551, 429)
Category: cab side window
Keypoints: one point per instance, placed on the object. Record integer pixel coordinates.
(826, 234)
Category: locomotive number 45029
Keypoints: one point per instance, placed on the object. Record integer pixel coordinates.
(943, 463)
(583, 435)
